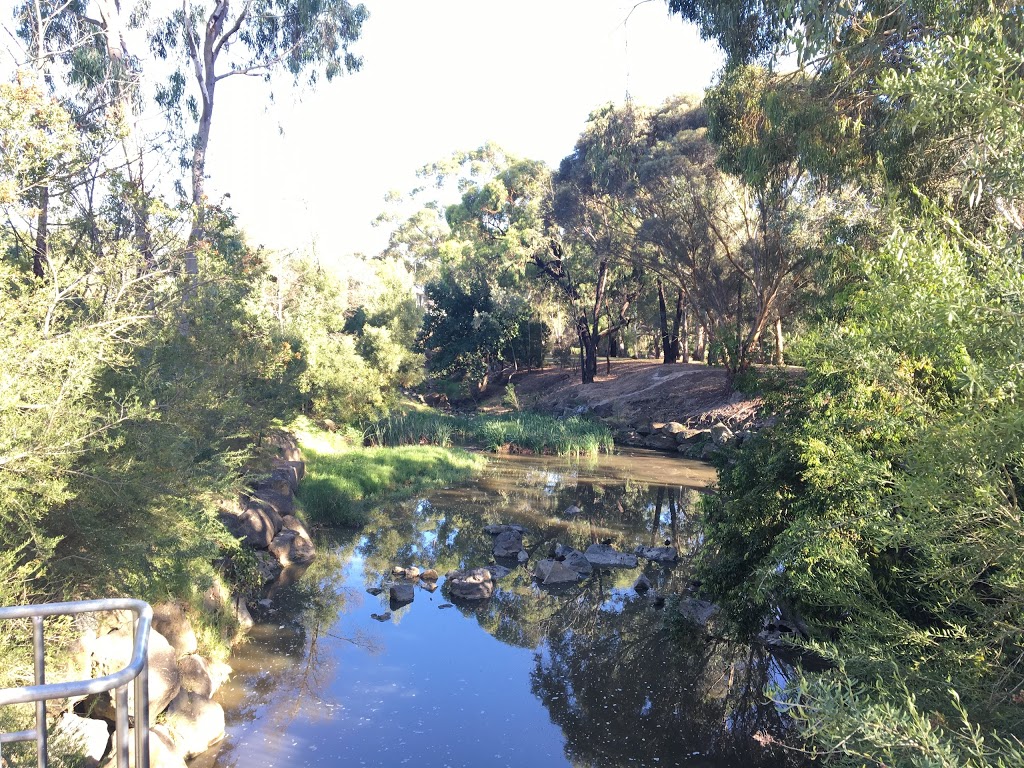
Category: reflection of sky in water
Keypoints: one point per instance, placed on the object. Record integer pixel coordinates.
(582, 677)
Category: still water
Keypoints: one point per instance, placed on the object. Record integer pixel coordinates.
(590, 675)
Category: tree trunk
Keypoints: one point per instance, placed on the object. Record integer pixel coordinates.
(41, 252)
(780, 344)
(685, 335)
(669, 350)
(677, 324)
(702, 344)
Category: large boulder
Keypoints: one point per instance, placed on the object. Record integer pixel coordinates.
(496, 529)
(693, 436)
(673, 428)
(508, 544)
(290, 548)
(257, 523)
(282, 503)
(202, 676)
(81, 736)
(605, 556)
(552, 573)
(658, 554)
(163, 752)
(574, 559)
(721, 434)
(113, 652)
(699, 612)
(472, 584)
(402, 594)
(171, 621)
(195, 723)
(296, 470)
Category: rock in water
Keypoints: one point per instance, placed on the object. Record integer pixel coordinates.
(574, 559)
(402, 594)
(642, 584)
(658, 554)
(604, 556)
(508, 544)
(560, 573)
(474, 584)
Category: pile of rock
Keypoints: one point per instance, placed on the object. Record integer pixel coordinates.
(696, 442)
(508, 542)
(264, 517)
(181, 686)
(403, 582)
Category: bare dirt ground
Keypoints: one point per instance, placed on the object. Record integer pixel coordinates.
(640, 392)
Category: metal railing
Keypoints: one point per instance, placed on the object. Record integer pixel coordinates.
(137, 670)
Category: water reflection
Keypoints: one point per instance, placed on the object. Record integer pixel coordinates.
(593, 675)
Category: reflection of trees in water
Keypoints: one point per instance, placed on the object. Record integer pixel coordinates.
(625, 690)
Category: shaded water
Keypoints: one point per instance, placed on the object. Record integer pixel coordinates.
(591, 675)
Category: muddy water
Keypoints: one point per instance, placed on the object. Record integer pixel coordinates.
(592, 675)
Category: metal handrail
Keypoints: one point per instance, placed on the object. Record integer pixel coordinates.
(137, 670)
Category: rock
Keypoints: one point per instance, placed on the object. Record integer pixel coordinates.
(523, 556)
(693, 436)
(402, 594)
(202, 676)
(473, 584)
(113, 651)
(658, 554)
(574, 559)
(642, 584)
(721, 434)
(643, 430)
(292, 549)
(266, 602)
(708, 450)
(294, 469)
(292, 523)
(268, 565)
(673, 428)
(498, 571)
(604, 556)
(508, 544)
(429, 586)
(386, 616)
(169, 620)
(659, 442)
(572, 511)
(82, 736)
(446, 605)
(410, 573)
(699, 612)
(429, 575)
(374, 590)
(287, 447)
(603, 410)
(256, 524)
(659, 601)
(163, 752)
(495, 530)
(195, 723)
(559, 573)
(282, 503)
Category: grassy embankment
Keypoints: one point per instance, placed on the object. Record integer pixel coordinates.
(414, 449)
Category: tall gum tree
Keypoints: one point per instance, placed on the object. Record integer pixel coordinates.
(309, 39)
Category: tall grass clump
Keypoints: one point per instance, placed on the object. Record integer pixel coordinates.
(343, 477)
(522, 431)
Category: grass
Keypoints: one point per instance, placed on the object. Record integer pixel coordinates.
(513, 431)
(342, 477)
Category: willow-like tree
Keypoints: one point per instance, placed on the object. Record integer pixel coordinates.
(309, 39)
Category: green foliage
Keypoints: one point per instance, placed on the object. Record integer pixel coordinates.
(524, 431)
(885, 503)
(342, 479)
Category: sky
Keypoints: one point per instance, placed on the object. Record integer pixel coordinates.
(311, 169)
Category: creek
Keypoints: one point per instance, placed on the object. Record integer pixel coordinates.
(594, 674)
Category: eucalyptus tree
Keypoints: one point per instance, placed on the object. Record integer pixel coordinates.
(591, 254)
(212, 42)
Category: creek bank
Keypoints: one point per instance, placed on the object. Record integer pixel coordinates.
(185, 720)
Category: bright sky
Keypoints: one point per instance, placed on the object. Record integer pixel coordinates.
(437, 76)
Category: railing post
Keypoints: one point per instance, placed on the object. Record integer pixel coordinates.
(40, 664)
(121, 725)
(142, 715)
